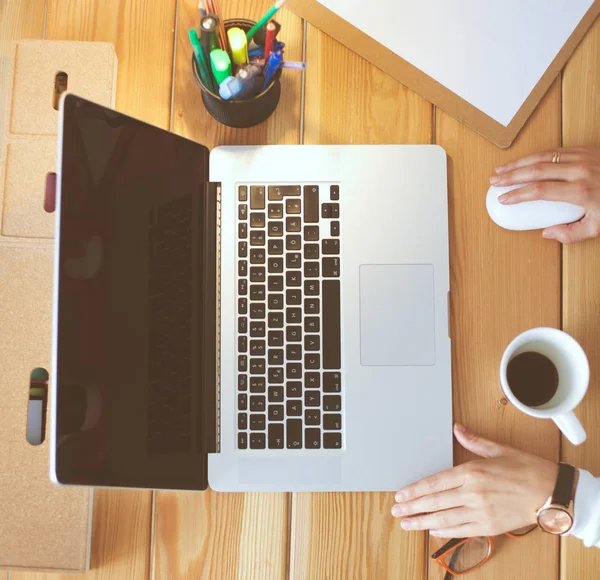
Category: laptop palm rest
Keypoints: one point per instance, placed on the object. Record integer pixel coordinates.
(397, 323)
(325, 469)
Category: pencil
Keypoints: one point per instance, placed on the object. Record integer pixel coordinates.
(250, 34)
(222, 34)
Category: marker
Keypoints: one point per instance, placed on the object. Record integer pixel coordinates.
(208, 34)
(221, 65)
(238, 45)
(269, 38)
(250, 34)
(216, 10)
(201, 61)
(272, 67)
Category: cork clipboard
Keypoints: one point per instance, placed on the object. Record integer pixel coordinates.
(424, 85)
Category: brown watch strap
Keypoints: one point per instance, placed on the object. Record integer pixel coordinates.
(563, 490)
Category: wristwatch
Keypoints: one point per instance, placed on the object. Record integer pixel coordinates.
(556, 515)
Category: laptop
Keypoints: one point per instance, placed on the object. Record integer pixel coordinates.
(269, 318)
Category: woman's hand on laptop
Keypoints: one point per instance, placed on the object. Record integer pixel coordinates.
(486, 497)
(575, 178)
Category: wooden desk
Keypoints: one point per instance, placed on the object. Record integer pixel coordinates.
(502, 283)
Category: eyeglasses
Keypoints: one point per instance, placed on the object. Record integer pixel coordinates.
(461, 555)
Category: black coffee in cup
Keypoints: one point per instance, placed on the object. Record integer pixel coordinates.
(533, 378)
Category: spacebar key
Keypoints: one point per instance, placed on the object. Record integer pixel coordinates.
(332, 349)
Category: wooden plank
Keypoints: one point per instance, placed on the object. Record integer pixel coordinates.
(353, 535)
(581, 283)
(3, 575)
(18, 20)
(142, 32)
(225, 535)
(502, 283)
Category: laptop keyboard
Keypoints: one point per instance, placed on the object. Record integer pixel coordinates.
(289, 322)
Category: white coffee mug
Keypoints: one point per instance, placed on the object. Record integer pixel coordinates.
(573, 377)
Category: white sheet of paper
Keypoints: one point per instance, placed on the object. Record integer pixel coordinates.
(491, 53)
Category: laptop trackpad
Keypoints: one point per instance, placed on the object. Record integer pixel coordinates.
(397, 324)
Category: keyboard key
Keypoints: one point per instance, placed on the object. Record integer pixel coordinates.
(292, 206)
(257, 238)
(257, 255)
(332, 422)
(258, 384)
(292, 242)
(275, 376)
(312, 438)
(242, 325)
(331, 247)
(293, 278)
(332, 382)
(293, 297)
(312, 306)
(293, 389)
(257, 311)
(275, 283)
(275, 229)
(257, 197)
(276, 192)
(275, 265)
(275, 247)
(257, 440)
(335, 210)
(242, 231)
(331, 267)
(330, 210)
(257, 403)
(276, 338)
(294, 408)
(242, 420)
(293, 433)
(275, 319)
(293, 224)
(276, 436)
(257, 329)
(312, 380)
(257, 292)
(275, 301)
(242, 343)
(293, 371)
(332, 349)
(311, 399)
(311, 204)
(242, 363)
(243, 382)
(243, 249)
(334, 193)
(242, 305)
(242, 287)
(257, 219)
(312, 417)
(257, 274)
(332, 402)
(242, 441)
(275, 211)
(311, 270)
(243, 193)
(311, 251)
(275, 413)
(257, 347)
(243, 212)
(293, 352)
(335, 228)
(312, 342)
(293, 333)
(242, 402)
(312, 324)
(257, 366)
(293, 315)
(332, 440)
(242, 268)
(275, 394)
(275, 356)
(312, 361)
(311, 233)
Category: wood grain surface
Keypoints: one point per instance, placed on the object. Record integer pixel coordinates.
(581, 285)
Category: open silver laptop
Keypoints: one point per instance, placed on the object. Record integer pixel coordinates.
(256, 318)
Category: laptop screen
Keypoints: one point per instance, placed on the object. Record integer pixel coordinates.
(131, 303)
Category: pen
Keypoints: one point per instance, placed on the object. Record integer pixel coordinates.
(278, 4)
(238, 45)
(286, 64)
(221, 65)
(201, 61)
(272, 67)
(269, 39)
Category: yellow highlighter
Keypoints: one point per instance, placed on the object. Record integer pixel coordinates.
(238, 45)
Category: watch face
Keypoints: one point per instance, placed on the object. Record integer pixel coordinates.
(555, 520)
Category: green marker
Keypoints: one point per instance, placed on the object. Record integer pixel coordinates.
(221, 65)
(201, 61)
(263, 21)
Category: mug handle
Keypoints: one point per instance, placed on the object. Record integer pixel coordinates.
(571, 427)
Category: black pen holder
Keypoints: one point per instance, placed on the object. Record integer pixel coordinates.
(243, 113)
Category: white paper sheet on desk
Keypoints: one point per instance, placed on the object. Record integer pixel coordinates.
(491, 53)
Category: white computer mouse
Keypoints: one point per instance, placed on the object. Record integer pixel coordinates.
(530, 215)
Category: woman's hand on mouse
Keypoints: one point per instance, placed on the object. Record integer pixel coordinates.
(575, 178)
(486, 497)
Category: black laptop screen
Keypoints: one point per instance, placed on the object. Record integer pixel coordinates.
(129, 336)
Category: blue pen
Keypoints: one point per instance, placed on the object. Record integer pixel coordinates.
(272, 66)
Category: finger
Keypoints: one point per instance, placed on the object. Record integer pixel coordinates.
(584, 229)
(445, 480)
(439, 520)
(429, 503)
(479, 445)
(539, 172)
(567, 155)
(547, 190)
(468, 530)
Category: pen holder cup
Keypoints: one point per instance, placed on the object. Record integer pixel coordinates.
(244, 113)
